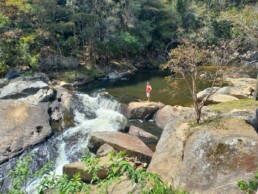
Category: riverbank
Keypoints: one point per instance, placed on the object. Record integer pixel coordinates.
(219, 145)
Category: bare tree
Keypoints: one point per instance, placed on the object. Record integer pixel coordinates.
(188, 59)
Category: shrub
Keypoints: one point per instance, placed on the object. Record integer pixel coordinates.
(3, 69)
(117, 167)
(250, 186)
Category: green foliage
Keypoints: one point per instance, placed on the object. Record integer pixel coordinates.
(93, 166)
(74, 185)
(123, 43)
(222, 29)
(62, 184)
(99, 31)
(3, 20)
(250, 186)
(22, 174)
(117, 167)
(181, 5)
(3, 69)
(25, 56)
(85, 28)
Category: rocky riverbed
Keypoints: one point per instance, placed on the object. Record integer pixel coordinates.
(208, 158)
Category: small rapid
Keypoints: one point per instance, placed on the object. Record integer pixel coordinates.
(99, 112)
(107, 117)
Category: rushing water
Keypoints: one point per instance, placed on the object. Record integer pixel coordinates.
(73, 143)
(98, 112)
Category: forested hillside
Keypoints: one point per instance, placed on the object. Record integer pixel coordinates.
(96, 32)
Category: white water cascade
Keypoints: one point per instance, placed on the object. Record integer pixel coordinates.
(107, 119)
(73, 143)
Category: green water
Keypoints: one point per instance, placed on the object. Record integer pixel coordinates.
(134, 88)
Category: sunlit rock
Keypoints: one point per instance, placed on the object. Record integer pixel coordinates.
(143, 110)
(22, 125)
(207, 158)
(104, 150)
(138, 132)
(173, 114)
(79, 167)
(21, 89)
(120, 141)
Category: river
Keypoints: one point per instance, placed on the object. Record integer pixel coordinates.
(100, 113)
(133, 88)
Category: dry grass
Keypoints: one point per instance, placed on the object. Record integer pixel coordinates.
(244, 104)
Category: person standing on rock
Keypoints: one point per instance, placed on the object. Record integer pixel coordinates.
(148, 91)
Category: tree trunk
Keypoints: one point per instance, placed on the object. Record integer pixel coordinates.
(198, 115)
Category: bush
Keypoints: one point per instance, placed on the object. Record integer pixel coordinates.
(117, 168)
(250, 186)
(22, 174)
(3, 69)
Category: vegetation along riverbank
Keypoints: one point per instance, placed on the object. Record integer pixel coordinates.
(63, 132)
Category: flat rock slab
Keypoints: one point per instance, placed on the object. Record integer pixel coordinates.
(143, 110)
(22, 125)
(21, 89)
(240, 89)
(242, 82)
(218, 98)
(120, 141)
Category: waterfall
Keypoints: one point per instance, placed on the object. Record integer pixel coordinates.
(73, 142)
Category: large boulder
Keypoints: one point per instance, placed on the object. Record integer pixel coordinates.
(120, 141)
(143, 110)
(241, 88)
(61, 110)
(79, 167)
(22, 125)
(167, 159)
(240, 92)
(138, 132)
(218, 98)
(20, 89)
(209, 158)
(173, 114)
(202, 94)
(66, 99)
(224, 94)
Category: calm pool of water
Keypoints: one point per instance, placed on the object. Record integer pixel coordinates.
(134, 88)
